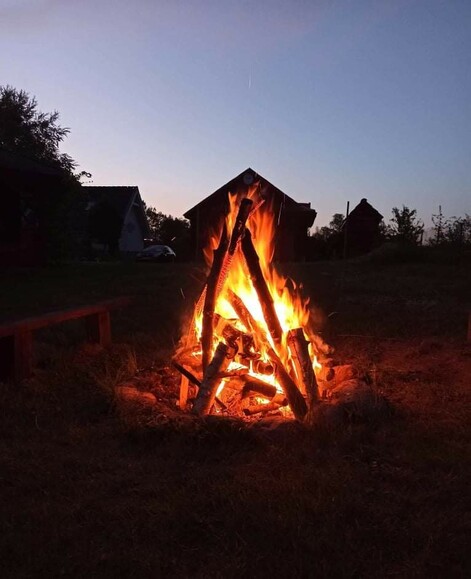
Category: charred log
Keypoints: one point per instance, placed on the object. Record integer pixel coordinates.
(302, 361)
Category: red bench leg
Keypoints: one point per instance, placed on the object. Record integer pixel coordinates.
(23, 355)
(7, 357)
(16, 356)
(99, 328)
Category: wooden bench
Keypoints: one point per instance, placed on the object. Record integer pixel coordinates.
(16, 336)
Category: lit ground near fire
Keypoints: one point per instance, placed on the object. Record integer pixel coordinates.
(94, 489)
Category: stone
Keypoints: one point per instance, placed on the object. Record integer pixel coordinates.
(131, 394)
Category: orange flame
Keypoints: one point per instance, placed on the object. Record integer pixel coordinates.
(291, 307)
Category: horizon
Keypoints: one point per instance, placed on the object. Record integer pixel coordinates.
(330, 103)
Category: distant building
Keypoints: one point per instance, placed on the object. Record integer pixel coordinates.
(362, 228)
(116, 218)
(292, 219)
(27, 189)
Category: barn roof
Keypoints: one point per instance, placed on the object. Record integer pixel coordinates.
(244, 180)
(364, 211)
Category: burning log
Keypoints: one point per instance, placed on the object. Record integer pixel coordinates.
(264, 408)
(261, 287)
(299, 351)
(210, 298)
(295, 398)
(257, 386)
(187, 377)
(211, 379)
(186, 373)
(326, 374)
(242, 312)
(261, 367)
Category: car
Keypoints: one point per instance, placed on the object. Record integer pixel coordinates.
(159, 253)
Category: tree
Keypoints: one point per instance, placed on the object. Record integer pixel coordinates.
(337, 222)
(404, 226)
(458, 231)
(169, 230)
(166, 228)
(24, 129)
(327, 240)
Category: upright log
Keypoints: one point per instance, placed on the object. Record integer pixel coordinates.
(295, 398)
(245, 209)
(260, 285)
(211, 379)
(298, 346)
(210, 298)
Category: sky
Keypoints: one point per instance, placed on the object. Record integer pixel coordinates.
(331, 101)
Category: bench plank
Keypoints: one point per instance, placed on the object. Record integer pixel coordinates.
(7, 328)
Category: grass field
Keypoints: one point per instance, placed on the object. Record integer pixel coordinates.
(90, 491)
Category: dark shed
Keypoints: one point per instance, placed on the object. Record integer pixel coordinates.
(362, 228)
(293, 218)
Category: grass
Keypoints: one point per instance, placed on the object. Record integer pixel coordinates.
(89, 489)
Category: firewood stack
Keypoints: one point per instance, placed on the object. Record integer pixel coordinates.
(246, 362)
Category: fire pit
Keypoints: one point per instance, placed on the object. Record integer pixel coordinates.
(250, 348)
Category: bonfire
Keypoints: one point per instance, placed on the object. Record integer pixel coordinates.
(250, 348)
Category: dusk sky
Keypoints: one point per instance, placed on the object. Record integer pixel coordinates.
(330, 101)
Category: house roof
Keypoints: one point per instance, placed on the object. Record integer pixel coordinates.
(121, 198)
(364, 211)
(118, 197)
(244, 180)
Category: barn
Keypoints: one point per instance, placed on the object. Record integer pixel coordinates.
(293, 219)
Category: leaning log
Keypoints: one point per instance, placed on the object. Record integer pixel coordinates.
(295, 398)
(260, 285)
(186, 373)
(211, 379)
(210, 298)
(298, 346)
(236, 235)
